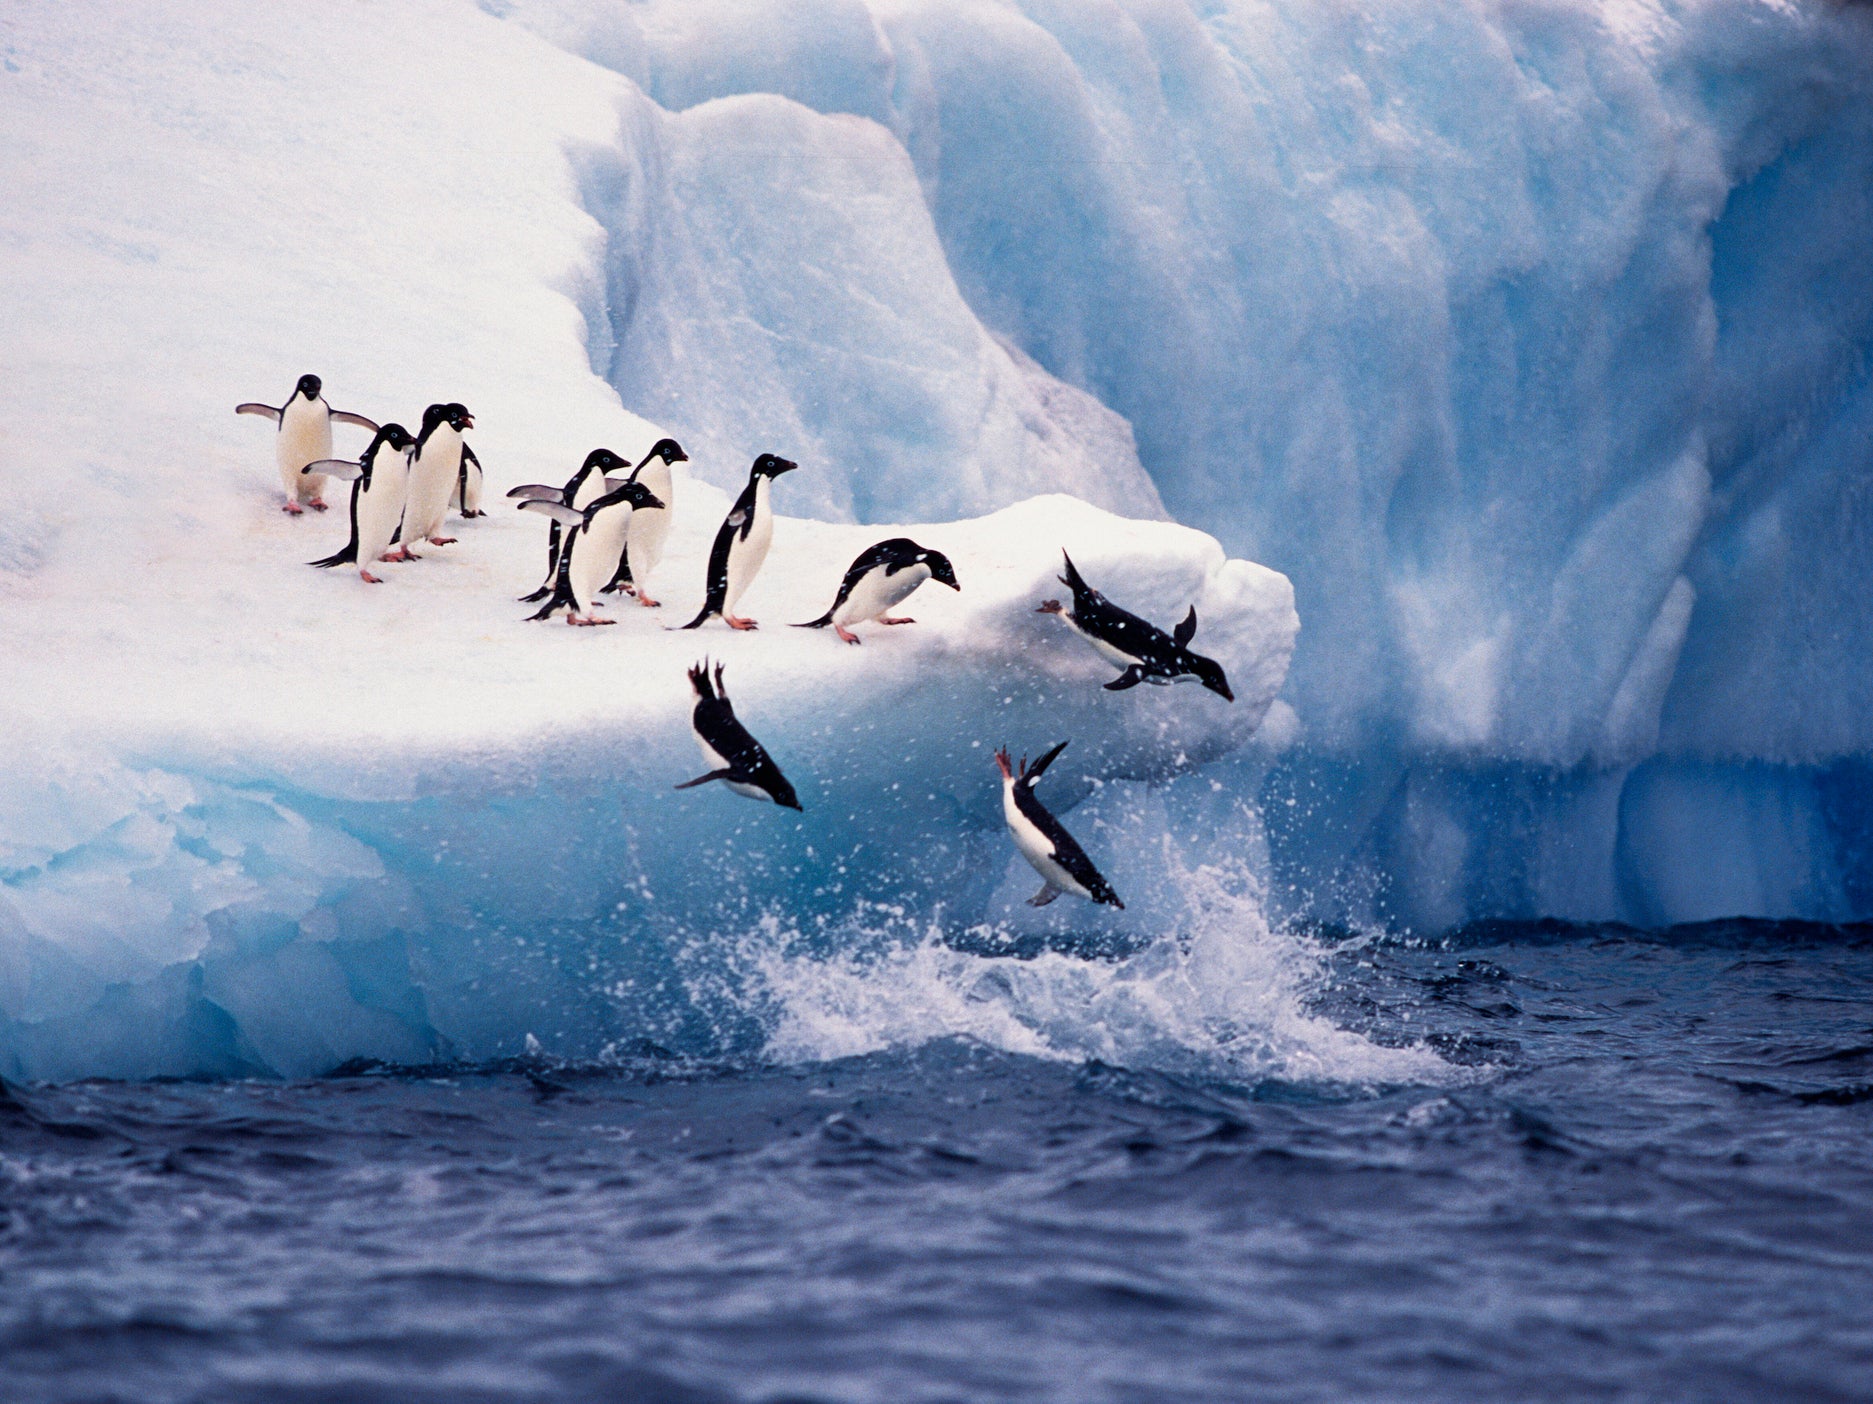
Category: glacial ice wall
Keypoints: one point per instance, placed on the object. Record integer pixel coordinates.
(1530, 340)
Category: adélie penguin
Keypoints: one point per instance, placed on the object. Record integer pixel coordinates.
(741, 543)
(1144, 651)
(732, 755)
(305, 436)
(466, 498)
(881, 578)
(1062, 863)
(435, 468)
(378, 482)
(591, 547)
(650, 528)
(581, 490)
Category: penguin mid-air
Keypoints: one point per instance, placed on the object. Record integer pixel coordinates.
(582, 489)
(1062, 863)
(466, 498)
(650, 528)
(378, 481)
(435, 469)
(732, 755)
(741, 544)
(591, 547)
(305, 436)
(882, 577)
(1144, 651)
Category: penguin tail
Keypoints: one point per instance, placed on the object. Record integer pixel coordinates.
(346, 555)
(696, 623)
(819, 623)
(536, 596)
(546, 610)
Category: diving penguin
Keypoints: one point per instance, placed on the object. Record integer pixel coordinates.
(732, 755)
(650, 529)
(1062, 863)
(882, 577)
(305, 436)
(378, 481)
(466, 498)
(591, 547)
(741, 544)
(435, 469)
(581, 490)
(1144, 651)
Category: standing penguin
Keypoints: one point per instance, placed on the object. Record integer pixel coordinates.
(591, 548)
(435, 468)
(466, 498)
(305, 436)
(581, 490)
(1144, 651)
(731, 754)
(883, 576)
(378, 482)
(741, 544)
(650, 529)
(1062, 863)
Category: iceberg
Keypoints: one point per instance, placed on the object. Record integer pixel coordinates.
(1525, 350)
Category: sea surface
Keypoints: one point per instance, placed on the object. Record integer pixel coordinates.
(1647, 1174)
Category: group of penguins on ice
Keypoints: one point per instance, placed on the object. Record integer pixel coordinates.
(606, 533)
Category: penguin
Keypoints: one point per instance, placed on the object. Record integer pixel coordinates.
(643, 547)
(591, 548)
(466, 498)
(881, 577)
(378, 481)
(435, 469)
(1062, 863)
(581, 489)
(731, 754)
(305, 436)
(1144, 651)
(741, 544)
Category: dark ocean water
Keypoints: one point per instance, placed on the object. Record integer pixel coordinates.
(1649, 1176)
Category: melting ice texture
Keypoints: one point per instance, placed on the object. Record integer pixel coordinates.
(1529, 342)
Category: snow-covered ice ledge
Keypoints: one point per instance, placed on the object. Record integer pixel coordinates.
(308, 820)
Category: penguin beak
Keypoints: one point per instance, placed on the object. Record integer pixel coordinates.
(468, 421)
(786, 465)
(651, 500)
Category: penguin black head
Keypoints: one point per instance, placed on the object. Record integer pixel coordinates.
(396, 436)
(770, 465)
(310, 386)
(669, 450)
(632, 492)
(458, 416)
(1210, 673)
(940, 569)
(604, 459)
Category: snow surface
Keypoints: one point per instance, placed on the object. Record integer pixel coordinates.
(1530, 341)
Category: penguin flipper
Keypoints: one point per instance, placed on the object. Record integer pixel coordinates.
(1187, 630)
(558, 511)
(264, 411)
(1047, 894)
(1131, 677)
(704, 779)
(538, 492)
(347, 417)
(344, 468)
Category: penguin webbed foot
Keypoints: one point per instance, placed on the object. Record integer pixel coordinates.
(647, 601)
(846, 634)
(895, 619)
(370, 579)
(319, 504)
(735, 621)
(292, 509)
(442, 541)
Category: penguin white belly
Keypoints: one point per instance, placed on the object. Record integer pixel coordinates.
(1036, 847)
(305, 437)
(878, 592)
(432, 477)
(380, 508)
(591, 487)
(1118, 658)
(713, 760)
(745, 556)
(596, 552)
(650, 527)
